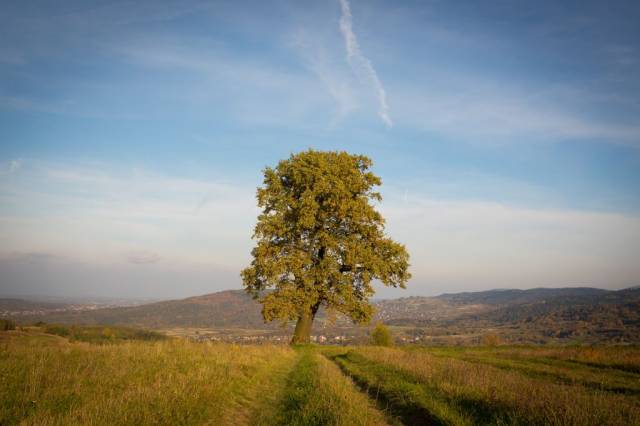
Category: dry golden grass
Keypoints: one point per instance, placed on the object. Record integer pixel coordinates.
(172, 382)
(46, 379)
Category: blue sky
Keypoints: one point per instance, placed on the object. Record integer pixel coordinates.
(132, 136)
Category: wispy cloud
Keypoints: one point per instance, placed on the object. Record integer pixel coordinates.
(143, 257)
(101, 215)
(249, 90)
(332, 72)
(462, 244)
(484, 111)
(74, 228)
(360, 63)
(10, 167)
(97, 225)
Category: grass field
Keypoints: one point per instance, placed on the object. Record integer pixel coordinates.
(122, 376)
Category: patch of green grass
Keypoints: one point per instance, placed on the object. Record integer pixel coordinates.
(317, 393)
(102, 334)
(404, 395)
(488, 395)
(607, 357)
(554, 369)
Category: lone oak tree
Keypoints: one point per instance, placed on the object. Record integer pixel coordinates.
(321, 241)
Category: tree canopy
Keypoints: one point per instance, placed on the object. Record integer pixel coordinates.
(320, 240)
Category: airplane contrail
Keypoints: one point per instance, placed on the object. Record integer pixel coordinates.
(357, 60)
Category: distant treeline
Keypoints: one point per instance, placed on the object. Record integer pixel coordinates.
(100, 334)
(7, 324)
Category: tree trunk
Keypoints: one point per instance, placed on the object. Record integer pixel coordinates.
(302, 333)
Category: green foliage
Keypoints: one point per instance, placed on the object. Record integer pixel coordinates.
(381, 336)
(320, 239)
(7, 324)
(99, 334)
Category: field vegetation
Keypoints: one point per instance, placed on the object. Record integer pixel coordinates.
(102, 334)
(50, 379)
(458, 387)
(7, 324)
(58, 375)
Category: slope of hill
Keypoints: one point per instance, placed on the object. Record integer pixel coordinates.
(515, 296)
(525, 315)
(231, 308)
(11, 307)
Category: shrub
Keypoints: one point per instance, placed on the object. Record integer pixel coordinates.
(7, 324)
(102, 334)
(381, 336)
(491, 339)
(59, 330)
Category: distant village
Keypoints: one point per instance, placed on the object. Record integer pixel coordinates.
(321, 339)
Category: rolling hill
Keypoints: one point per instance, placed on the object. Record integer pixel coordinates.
(231, 308)
(525, 315)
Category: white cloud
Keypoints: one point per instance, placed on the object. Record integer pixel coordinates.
(105, 217)
(143, 257)
(488, 112)
(14, 166)
(360, 63)
(474, 245)
(91, 230)
(248, 90)
(92, 222)
(333, 75)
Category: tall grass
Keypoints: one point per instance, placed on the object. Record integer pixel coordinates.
(169, 382)
(61, 379)
(626, 358)
(553, 368)
(489, 395)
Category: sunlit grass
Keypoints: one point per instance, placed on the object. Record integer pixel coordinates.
(551, 364)
(626, 358)
(169, 382)
(317, 393)
(459, 392)
(50, 379)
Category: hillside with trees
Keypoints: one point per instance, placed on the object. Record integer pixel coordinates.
(526, 316)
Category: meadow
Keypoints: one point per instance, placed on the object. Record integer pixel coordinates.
(97, 375)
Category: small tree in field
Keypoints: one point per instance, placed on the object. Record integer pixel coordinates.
(320, 241)
(381, 336)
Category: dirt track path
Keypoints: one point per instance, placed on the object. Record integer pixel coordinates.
(259, 404)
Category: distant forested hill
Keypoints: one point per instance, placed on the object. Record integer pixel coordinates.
(231, 308)
(564, 313)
